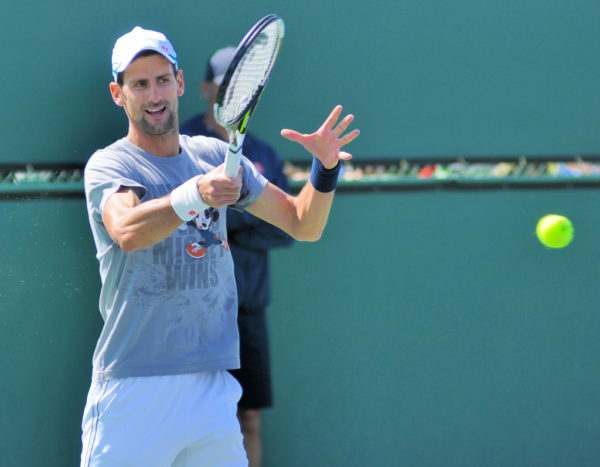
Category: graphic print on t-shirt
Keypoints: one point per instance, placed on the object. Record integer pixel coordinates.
(203, 222)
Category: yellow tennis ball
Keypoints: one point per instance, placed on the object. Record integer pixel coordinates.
(555, 231)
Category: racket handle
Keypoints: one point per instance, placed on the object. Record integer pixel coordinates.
(232, 161)
(234, 154)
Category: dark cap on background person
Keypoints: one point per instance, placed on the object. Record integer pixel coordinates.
(218, 63)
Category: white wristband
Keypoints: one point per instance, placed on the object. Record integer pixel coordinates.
(187, 201)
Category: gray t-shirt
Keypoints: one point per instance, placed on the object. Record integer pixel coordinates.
(170, 308)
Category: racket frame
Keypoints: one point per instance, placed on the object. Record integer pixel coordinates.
(236, 128)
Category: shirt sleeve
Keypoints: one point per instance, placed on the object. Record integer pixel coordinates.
(103, 176)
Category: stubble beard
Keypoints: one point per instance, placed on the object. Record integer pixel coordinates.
(157, 129)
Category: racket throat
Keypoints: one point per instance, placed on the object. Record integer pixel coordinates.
(236, 140)
(244, 122)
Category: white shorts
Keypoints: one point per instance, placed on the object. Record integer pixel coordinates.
(179, 420)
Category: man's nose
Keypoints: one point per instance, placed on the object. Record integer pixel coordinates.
(154, 93)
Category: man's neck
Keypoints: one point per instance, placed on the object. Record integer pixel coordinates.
(166, 145)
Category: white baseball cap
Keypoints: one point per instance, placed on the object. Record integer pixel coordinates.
(135, 41)
(218, 63)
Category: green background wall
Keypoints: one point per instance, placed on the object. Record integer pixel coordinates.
(49, 323)
(426, 328)
(432, 329)
(424, 77)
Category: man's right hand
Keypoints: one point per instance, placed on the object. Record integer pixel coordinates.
(217, 189)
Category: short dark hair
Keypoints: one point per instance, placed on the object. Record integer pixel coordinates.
(143, 53)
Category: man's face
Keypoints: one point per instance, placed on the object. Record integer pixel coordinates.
(149, 94)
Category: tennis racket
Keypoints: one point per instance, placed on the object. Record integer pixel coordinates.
(244, 80)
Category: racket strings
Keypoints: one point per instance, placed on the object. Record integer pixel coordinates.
(251, 73)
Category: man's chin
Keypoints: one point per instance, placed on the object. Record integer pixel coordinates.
(155, 129)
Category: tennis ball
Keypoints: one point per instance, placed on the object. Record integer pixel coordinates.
(554, 231)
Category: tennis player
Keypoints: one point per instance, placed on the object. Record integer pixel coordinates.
(161, 394)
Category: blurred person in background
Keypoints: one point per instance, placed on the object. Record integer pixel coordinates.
(250, 240)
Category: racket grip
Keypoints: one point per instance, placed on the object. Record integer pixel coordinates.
(232, 161)
(234, 154)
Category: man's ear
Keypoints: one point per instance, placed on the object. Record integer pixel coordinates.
(180, 83)
(115, 91)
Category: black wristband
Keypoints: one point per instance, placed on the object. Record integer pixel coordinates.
(324, 180)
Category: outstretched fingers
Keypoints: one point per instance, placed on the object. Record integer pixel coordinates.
(327, 141)
(330, 121)
(343, 125)
(349, 137)
(292, 135)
